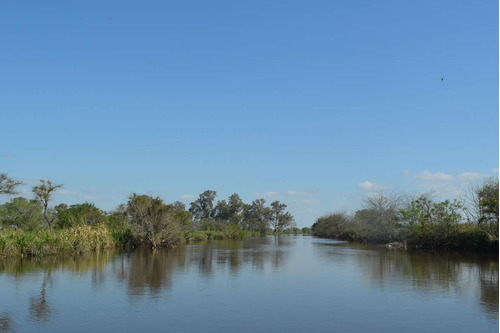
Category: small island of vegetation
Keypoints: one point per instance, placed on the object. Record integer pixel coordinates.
(33, 228)
(420, 222)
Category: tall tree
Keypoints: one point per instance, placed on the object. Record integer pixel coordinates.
(222, 211)
(203, 207)
(488, 205)
(43, 194)
(257, 216)
(8, 185)
(235, 208)
(280, 219)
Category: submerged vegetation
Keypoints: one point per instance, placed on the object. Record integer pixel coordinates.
(34, 228)
(470, 223)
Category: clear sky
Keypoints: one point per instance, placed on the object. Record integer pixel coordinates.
(313, 103)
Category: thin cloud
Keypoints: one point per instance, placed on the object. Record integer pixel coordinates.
(371, 186)
(187, 196)
(270, 195)
(469, 176)
(295, 193)
(426, 175)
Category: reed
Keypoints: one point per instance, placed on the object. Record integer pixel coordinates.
(206, 235)
(39, 243)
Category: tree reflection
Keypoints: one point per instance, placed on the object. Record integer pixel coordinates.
(40, 309)
(150, 271)
(426, 272)
(5, 322)
(488, 279)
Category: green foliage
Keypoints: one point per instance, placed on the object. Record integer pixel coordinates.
(38, 243)
(488, 204)
(279, 219)
(422, 223)
(255, 217)
(79, 214)
(231, 232)
(428, 224)
(22, 213)
(336, 225)
(203, 207)
(306, 230)
(184, 219)
(153, 222)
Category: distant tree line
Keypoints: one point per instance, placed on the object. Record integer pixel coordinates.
(252, 217)
(143, 219)
(419, 221)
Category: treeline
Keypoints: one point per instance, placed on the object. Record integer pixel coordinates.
(33, 227)
(469, 223)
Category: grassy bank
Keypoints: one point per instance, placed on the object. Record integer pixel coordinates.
(39, 243)
(83, 239)
(206, 235)
(462, 237)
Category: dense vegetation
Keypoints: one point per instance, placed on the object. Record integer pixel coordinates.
(32, 227)
(420, 222)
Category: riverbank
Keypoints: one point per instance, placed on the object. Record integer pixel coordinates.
(84, 239)
(39, 243)
(466, 237)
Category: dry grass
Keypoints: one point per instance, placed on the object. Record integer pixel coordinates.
(39, 243)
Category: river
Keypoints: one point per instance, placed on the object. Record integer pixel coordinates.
(269, 284)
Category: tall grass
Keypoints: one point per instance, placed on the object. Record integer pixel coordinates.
(77, 240)
(232, 232)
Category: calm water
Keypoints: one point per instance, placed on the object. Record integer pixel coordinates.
(286, 284)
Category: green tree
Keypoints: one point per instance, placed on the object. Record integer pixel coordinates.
(257, 216)
(203, 207)
(43, 194)
(153, 221)
(335, 225)
(184, 217)
(487, 196)
(446, 215)
(306, 230)
(279, 218)
(222, 211)
(23, 213)
(117, 220)
(236, 206)
(8, 185)
(86, 213)
(431, 224)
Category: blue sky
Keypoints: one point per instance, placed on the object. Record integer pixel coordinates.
(313, 103)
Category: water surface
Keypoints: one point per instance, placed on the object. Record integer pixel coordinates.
(288, 284)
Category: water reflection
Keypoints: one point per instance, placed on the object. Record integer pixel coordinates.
(150, 271)
(145, 274)
(77, 265)
(422, 271)
(5, 322)
(488, 279)
(40, 310)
